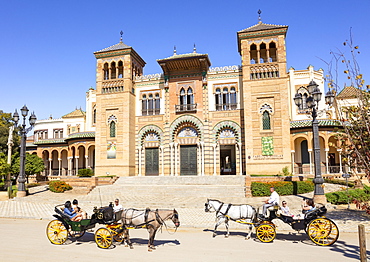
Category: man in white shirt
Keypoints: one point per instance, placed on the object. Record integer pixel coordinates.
(273, 200)
(117, 206)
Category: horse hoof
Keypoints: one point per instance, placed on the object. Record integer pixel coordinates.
(131, 247)
(247, 238)
(213, 235)
(149, 250)
(226, 236)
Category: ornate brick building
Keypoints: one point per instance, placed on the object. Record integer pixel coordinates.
(192, 119)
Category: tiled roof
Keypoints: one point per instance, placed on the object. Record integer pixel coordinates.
(115, 47)
(49, 141)
(261, 26)
(182, 56)
(348, 92)
(75, 113)
(81, 135)
(308, 123)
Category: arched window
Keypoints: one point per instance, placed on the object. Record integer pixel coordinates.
(272, 52)
(226, 100)
(106, 72)
(266, 123)
(182, 97)
(113, 70)
(150, 104)
(94, 116)
(120, 69)
(190, 98)
(253, 54)
(144, 106)
(157, 104)
(112, 129)
(263, 53)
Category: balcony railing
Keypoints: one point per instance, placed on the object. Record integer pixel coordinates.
(150, 112)
(222, 107)
(186, 108)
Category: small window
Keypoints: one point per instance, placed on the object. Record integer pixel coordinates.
(112, 129)
(266, 123)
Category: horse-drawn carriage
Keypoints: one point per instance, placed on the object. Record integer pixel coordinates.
(116, 225)
(59, 229)
(320, 229)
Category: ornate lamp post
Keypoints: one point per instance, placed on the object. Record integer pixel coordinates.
(23, 130)
(312, 103)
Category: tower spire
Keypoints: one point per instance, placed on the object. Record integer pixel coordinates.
(121, 33)
(174, 50)
(259, 16)
(194, 49)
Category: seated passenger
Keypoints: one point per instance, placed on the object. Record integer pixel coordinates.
(308, 205)
(285, 209)
(68, 210)
(77, 209)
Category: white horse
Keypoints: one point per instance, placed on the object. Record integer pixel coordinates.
(240, 213)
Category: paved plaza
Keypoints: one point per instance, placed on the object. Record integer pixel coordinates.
(40, 205)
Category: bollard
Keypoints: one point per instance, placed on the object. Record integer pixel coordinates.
(362, 242)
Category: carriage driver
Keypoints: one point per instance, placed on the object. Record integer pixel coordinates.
(117, 206)
(272, 201)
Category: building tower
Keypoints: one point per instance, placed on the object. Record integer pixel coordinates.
(117, 66)
(265, 97)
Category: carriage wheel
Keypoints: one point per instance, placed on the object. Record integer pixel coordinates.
(77, 234)
(119, 237)
(103, 238)
(56, 232)
(266, 232)
(323, 231)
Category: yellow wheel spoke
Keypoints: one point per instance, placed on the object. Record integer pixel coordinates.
(56, 232)
(323, 231)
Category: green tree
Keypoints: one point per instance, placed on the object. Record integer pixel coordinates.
(5, 123)
(354, 138)
(4, 166)
(34, 165)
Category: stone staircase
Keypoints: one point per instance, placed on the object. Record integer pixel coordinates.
(186, 191)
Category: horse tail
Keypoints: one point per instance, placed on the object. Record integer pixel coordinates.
(255, 213)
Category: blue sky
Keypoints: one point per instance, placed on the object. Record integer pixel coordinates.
(47, 47)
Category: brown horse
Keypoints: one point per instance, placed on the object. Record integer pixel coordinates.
(152, 220)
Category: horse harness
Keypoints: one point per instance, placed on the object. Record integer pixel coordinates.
(146, 220)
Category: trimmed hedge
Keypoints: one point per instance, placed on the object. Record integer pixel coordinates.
(342, 197)
(85, 172)
(282, 188)
(339, 182)
(58, 186)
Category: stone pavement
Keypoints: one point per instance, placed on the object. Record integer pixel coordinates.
(40, 205)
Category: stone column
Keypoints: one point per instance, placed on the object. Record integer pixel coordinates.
(69, 171)
(199, 168)
(214, 159)
(340, 161)
(310, 156)
(50, 170)
(161, 148)
(140, 148)
(293, 161)
(86, 161)
(202, 146)
(240, 159)
(171, 159)
(176, 159)
(327, 160)
(77, 157)
(59, 166)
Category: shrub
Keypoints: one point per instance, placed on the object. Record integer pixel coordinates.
(339, 182)
(87, 172)
(343, 197)
(282, 188)
(58, 186)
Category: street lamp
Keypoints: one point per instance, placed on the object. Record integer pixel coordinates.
(312, 103)
(23, 130)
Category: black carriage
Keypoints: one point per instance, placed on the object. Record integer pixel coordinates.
(320, 229)
(62, 227)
